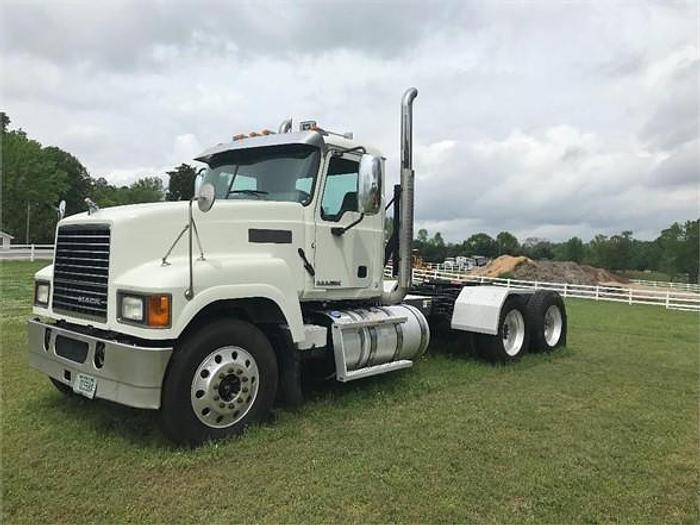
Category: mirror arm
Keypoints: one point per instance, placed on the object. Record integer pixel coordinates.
(340, 230)
(339, 152)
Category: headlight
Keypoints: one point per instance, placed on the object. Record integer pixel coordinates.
(148, 310)
(132, 308)
(42, 291)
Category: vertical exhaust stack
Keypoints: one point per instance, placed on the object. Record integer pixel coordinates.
(407, 202)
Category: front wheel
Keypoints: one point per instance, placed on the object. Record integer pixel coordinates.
(221, 379)
(513, 338)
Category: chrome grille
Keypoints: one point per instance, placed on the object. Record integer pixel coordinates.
(81, 270)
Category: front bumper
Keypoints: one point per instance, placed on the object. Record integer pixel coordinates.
(131, 375)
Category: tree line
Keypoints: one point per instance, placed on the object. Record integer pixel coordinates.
(675, 251)
(35, 178)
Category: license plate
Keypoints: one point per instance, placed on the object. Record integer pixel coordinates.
(85, 385)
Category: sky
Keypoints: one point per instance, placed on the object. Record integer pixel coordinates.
(544, 118)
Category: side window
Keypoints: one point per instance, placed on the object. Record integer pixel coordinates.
(340, 193)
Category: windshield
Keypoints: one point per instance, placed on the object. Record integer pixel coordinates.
(277, 173)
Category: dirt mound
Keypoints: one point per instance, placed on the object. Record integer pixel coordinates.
(501, 265)
(548, 271)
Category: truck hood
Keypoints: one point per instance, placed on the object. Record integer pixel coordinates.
(143, 233)
(116, 214)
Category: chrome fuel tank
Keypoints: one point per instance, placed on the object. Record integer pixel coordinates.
(382, 334)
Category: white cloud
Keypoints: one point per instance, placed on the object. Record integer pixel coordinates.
(542, 118)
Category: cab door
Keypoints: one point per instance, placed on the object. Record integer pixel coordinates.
(347, 262)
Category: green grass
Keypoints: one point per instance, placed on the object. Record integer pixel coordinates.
(603, 431)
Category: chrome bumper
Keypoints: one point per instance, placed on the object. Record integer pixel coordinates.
(131, 375)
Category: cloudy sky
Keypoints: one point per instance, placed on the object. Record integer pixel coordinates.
(546, 118)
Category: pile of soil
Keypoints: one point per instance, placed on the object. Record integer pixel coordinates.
(549, 271)
(501, 265)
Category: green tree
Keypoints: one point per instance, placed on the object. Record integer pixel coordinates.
(599, 252)
(147, 189)
(538, 248)
(690, 250)
(620, 251)
(77, 178)
(679, 245)
(181, 183)
(572, 250)
(507, 244)
(32, 186)
(435, 249)
(4, 121)
(481, 244)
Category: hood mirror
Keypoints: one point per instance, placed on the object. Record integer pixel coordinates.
(61, 210)
(206, 197)
(369, 185)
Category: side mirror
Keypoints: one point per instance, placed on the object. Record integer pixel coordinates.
(61, 210)
(206, 197)
(198, 179)
(369, 185)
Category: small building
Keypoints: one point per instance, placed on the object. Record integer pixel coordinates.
(5, 239)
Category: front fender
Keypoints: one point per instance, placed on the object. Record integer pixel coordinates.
(290, 309)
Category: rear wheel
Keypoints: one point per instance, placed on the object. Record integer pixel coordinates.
(513, 338)
(546, 315)
(220, 380)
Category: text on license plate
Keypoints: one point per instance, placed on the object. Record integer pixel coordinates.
(85, 385)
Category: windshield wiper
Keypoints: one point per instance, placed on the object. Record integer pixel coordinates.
(257, 193)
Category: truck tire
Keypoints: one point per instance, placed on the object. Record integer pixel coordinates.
(546, 315)
(220, 379)
(513, 337)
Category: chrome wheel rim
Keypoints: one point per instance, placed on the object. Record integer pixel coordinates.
(513, 332)
(224, 387)
(553, 324)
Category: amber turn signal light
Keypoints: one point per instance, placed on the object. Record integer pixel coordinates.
(159, 311)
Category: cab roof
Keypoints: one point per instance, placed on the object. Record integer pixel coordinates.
(311, 138)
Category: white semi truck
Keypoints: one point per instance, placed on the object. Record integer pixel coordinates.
(210, 313)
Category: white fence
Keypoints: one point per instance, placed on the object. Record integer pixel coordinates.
(669, 299)
(26, 252)
(686, 287)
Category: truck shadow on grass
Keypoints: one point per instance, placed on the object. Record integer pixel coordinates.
(99, 419)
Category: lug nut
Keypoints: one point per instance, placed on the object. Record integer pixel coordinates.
(222, 405)
(221, 375)
(245, 389)
(231, 406)
(229, 371)
(216, 398)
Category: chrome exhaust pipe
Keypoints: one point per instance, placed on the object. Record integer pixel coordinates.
(407, 202)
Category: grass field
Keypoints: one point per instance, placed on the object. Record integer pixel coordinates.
(603, 431)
